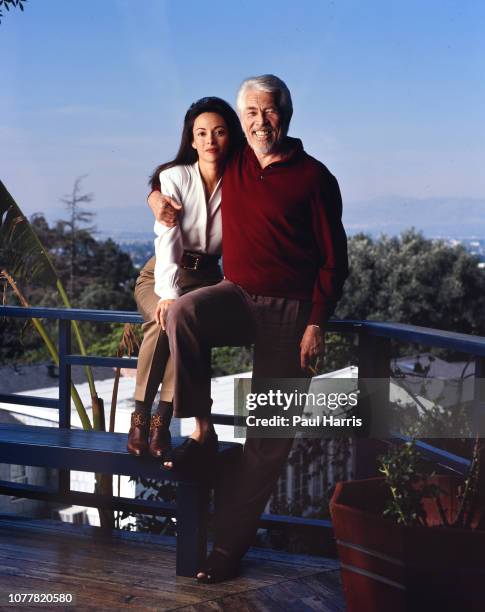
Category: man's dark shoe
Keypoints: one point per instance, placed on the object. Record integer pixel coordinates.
(160, 438)
(218, 568)
(138, 435)
(194, 456)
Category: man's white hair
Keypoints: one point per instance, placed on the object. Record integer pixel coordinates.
(268, 83)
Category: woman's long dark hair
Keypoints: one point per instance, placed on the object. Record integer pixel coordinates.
(187, 154)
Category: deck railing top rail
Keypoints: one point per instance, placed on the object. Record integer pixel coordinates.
(465, 343)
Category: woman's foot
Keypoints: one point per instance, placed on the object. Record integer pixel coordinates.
(219, 566)
(160, 438)
(138, 434)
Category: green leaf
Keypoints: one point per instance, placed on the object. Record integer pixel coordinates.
(30, 262)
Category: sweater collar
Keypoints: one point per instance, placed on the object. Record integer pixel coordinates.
(295, 146)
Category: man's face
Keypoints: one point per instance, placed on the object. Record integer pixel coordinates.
(261, 122)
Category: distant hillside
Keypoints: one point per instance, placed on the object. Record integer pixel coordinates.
(453, 217)
(447, 217)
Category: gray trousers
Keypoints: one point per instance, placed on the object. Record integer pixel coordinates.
(225, 315)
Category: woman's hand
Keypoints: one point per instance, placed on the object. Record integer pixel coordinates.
(161, 312)
(312, 348)
(165, 209)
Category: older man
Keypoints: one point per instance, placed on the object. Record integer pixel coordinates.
(285, 262)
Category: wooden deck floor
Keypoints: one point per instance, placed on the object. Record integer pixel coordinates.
(131, 572)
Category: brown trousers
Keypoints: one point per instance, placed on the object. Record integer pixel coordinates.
(154, 363)
(226, 315)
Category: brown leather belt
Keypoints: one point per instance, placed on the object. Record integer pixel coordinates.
(198, 261)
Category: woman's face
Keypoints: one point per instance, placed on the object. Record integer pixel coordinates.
(210, 137)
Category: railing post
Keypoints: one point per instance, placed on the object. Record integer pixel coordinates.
(192, 506)
(374, 363)
(64, 391)
(479, 393)
(64, 374)
(479, 398)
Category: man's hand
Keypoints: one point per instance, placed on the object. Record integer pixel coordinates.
(312, 347)
(165, 209)
(161, 312)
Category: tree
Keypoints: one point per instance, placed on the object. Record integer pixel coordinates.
(38, 257)
(77, 216)
(415, 280)
(8, 4)
(408, 279)
(26, 259)
(98, 273)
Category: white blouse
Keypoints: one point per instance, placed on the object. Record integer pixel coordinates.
(198, 228)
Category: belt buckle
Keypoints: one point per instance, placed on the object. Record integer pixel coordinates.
(195, 260)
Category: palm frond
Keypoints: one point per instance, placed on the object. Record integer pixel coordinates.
(30, 261)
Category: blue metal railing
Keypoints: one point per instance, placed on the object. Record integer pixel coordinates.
(374, 362)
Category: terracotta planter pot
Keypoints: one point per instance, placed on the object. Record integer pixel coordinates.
(389, 568)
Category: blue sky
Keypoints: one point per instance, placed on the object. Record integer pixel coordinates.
(389, 94)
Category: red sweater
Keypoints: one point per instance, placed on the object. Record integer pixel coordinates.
(282, 233)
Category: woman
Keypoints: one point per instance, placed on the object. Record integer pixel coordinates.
(186, 258)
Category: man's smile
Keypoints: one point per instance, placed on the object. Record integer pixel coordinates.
(263, 134)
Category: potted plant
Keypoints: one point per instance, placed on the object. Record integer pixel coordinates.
(411, 540)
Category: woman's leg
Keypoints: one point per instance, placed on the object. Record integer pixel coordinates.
(154, 350)
(154, 355)
(152, 359)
